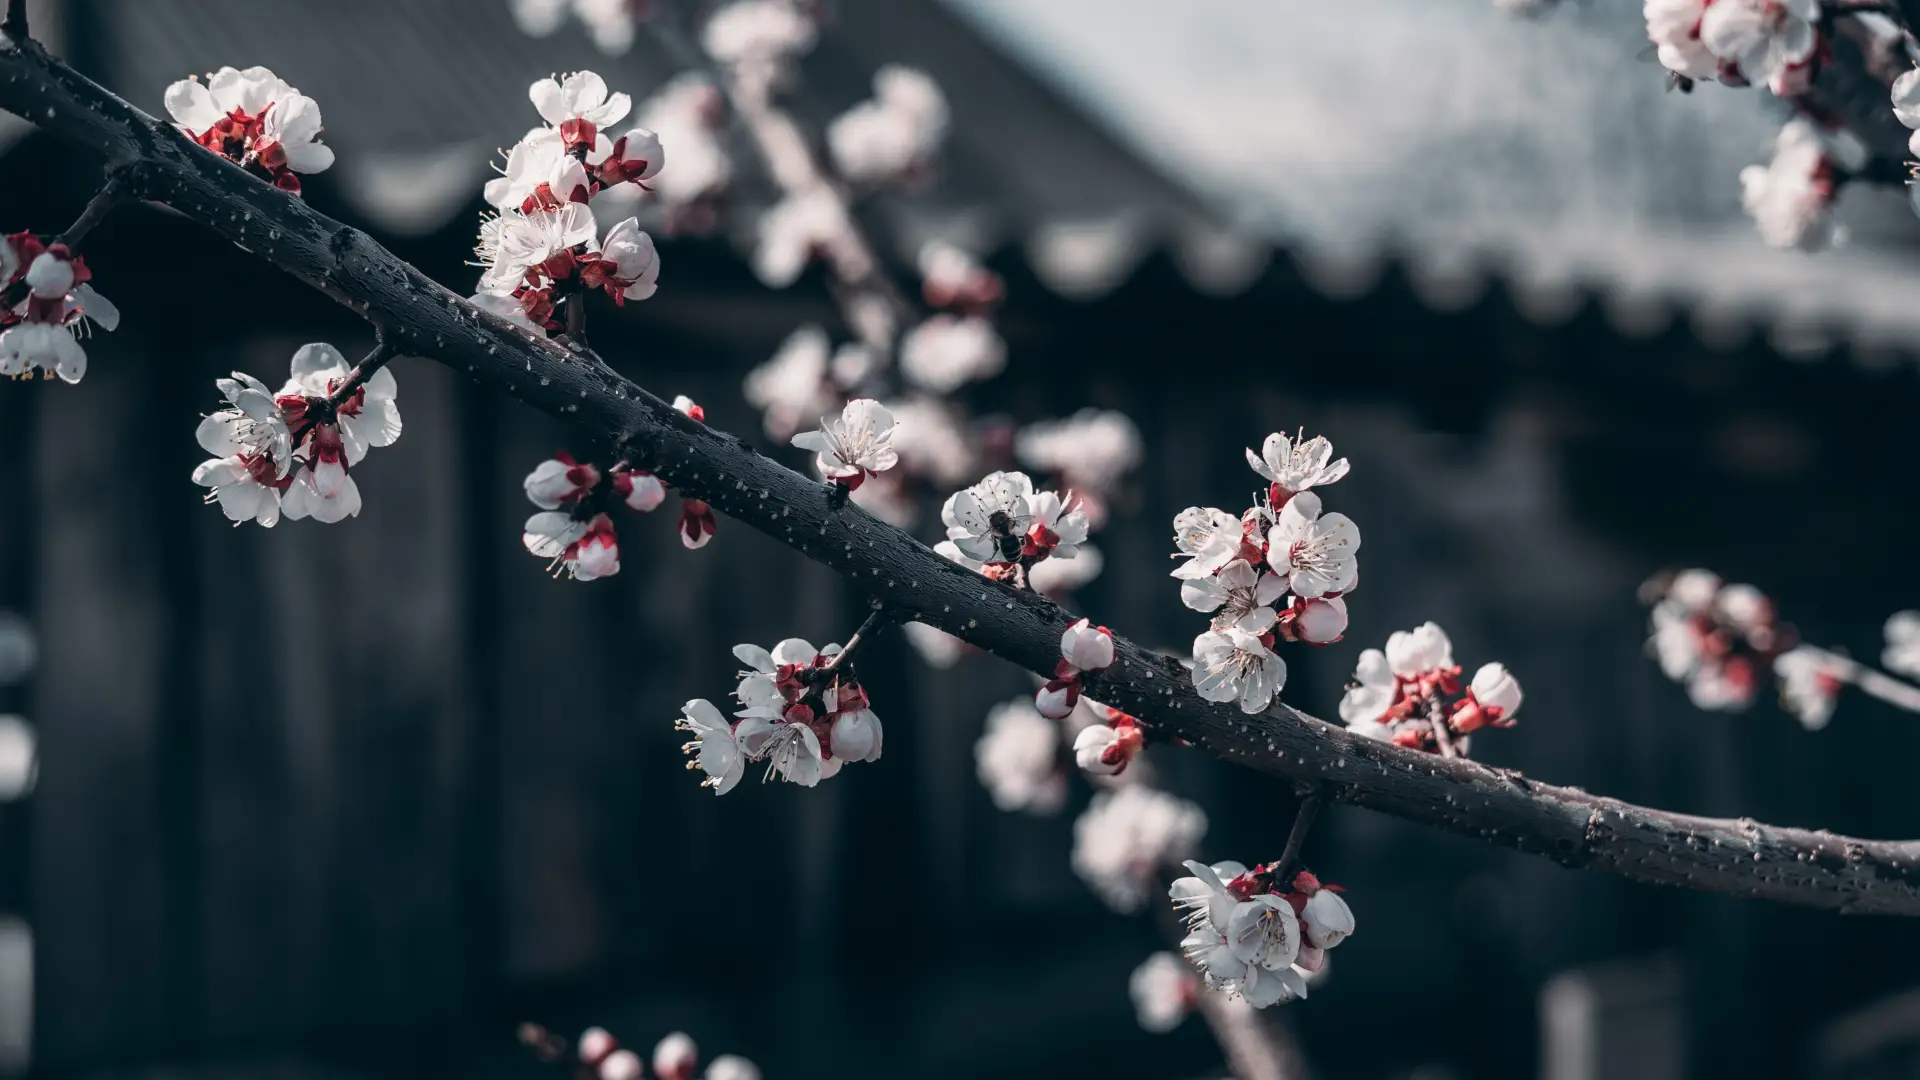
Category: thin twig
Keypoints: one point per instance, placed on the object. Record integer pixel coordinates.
(1871, 680)
(16, 25)
(879, 617)
(1441, 735)
(116, 190)
(1572, 827)
(383, 351)
(1303, 819)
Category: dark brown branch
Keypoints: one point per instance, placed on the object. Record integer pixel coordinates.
(1569, 826)
(16, 25)
(1303, 819)
(383, 351)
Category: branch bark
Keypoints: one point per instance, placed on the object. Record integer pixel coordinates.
(1567, 825)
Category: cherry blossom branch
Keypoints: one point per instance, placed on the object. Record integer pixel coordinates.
(1441, 736)
(1870, 680)
(1567, 825)
(872, 307)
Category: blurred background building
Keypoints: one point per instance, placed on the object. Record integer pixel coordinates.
(352, 802)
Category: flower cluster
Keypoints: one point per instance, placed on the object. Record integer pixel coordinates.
(1017, 762)
(1084, 647)
(801, 711)
(255, 118)
(573, 529)
(758, 38)
(893, 136)
(1411, 695)
(1719, 640)
(1126, 836)
(856, 445)
(1001, 526)
(1775, 42)
(601, 1057)
(542, 249)
(689, 114)
(947, 352)
(1276, 572)
(288, 454)
(43, 330)
(1790, 198)
(1254, 937)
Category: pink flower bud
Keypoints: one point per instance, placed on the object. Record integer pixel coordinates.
(1320, 621)
(1087, 647)
(50, 276)
(1107, 751)
(1057, 698)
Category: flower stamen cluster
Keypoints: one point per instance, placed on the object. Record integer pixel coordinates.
(1412, 694)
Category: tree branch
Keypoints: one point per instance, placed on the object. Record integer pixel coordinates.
(16, 25)
(1569, 826)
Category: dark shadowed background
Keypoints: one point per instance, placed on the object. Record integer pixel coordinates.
(351, 801)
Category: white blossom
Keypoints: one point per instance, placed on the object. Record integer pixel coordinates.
(1297, 466)
(946, 352)
(1163, 990)
(1233, 665)
(252, 116)
(892, 134)
(1763, 37)
(684, 114)
(627, 266)
(584, 550)
(581, 95)
(757, 32)
(515, 242)
(952, 278)
(1329, 920)
(1087, 647)
(1902, 653)
(1092, 449)
(1674, 28)
(1318, 621)
(714, 749)
(795, 385)
(856, 445)
(1906, 105)
(47, 339)
(541, 159)
(1107, 750)
(1374, 691)
(504, 306)
(1264, 930)
(1494, 688)
(609, 22)
(622, 1064)
(1208, 538)
(1016, 760)
(1420, 651)
(252, 451)
(989, 521)
(794, 230)
(1203, 895)
(1056, 532)
(1126, 836)
(1790, 197)
(1240, 597)
(559, 480)
(1810, 685)
(1316, 553)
